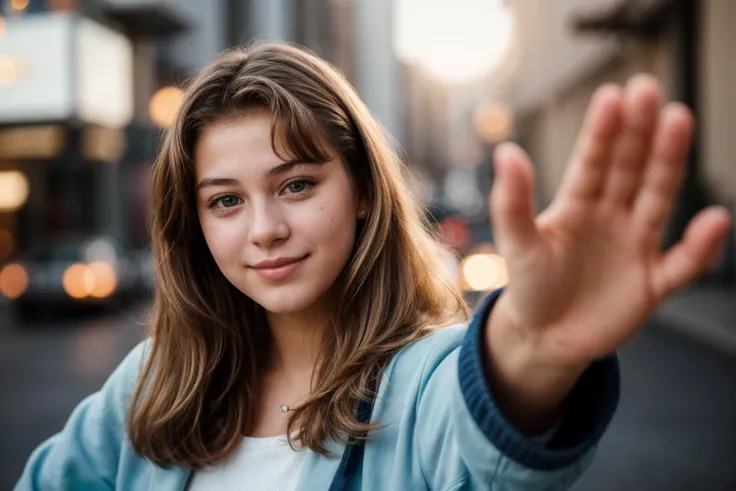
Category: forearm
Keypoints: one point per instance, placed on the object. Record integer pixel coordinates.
(529, 389)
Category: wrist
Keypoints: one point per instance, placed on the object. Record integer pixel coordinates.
(528, 348)
(529, 381)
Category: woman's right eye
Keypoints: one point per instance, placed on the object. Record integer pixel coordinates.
(226, 201)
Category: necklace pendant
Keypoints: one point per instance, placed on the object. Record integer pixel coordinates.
(284, 408)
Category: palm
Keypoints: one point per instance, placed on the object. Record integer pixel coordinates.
(587, 272)
(591, 272)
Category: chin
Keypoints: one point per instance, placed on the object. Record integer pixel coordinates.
(289, 300)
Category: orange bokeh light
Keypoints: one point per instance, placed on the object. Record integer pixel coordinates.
(77, 281)
(13, 281)
(105, 279)
(164, 106)
(98, 280)
(19, 4)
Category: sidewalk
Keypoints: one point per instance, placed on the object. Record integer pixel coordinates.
(707, 313)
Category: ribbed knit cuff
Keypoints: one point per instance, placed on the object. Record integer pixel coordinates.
(589, 408)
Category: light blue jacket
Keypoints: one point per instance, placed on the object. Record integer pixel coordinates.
(442, 431)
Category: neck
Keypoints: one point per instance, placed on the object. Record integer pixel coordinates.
(296, 341)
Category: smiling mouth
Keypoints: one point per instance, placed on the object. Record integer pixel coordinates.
(279, 269)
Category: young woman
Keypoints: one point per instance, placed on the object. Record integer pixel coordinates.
(304, 334)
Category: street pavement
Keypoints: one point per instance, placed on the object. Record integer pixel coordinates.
(47, 369)
(675, 428)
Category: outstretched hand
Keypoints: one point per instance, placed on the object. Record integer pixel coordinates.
(586, 273)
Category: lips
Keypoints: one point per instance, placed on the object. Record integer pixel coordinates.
(279, 268)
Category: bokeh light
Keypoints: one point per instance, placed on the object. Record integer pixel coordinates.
(493, 122)
(13, 281)
(484, 272)
(100, 250)
(164, 106)
(14, 190)
(105, 279)
(97, 279)
(19, 4)
(77, 281)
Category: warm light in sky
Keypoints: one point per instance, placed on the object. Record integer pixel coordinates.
(454, 40)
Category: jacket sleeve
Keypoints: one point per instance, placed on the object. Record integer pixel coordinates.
(464, 441)
(84, 456)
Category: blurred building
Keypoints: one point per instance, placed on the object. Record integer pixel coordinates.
(74, 138)
(85, 167)
(86, 86)
(568, 48)
(538, 91)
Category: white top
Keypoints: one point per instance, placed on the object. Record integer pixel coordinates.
(259, 464)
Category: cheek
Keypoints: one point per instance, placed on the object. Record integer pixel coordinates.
(330, 225)
(223, 241)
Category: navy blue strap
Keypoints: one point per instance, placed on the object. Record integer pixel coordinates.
(352, 458)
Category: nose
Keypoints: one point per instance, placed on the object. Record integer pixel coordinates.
(267, 227)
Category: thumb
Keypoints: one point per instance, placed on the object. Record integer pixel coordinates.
(512, 200)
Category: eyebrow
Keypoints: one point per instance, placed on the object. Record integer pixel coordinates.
(215, 181)
(287, 166)
(274, 171)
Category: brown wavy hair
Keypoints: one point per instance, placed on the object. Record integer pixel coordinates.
(193, 401)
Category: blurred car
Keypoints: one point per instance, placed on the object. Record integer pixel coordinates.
(74, 272)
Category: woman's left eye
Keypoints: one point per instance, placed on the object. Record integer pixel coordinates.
(298, 186)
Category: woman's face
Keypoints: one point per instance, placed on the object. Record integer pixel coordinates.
(280, 232)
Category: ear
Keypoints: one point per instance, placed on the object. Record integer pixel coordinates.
(363, 207)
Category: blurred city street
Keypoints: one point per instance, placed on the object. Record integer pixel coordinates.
(47, 368)
(675, 428)
(88, 87)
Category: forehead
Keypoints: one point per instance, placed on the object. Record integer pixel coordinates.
(241, 143)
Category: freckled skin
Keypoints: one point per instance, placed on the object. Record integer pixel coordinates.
(269, 219)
